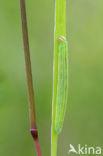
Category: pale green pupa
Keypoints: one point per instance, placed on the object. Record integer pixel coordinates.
(62, 84)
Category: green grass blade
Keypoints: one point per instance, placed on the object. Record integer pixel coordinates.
(60, 30)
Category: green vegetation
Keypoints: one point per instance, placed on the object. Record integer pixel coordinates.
(84, 114)
(60, 30)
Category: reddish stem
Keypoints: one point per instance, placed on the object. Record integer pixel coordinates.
(33, 130)
(34, 133)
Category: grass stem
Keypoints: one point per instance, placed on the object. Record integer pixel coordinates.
(60, 30)
(33, 127)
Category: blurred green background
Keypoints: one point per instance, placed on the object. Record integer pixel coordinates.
(84, 116)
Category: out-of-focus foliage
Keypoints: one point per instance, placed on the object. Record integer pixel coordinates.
(84, 116)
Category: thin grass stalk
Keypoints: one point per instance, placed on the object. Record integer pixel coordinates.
(60, 30)
(33, 127)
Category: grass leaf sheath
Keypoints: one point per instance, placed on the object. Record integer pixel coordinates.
(60, 74)
(33, 127)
